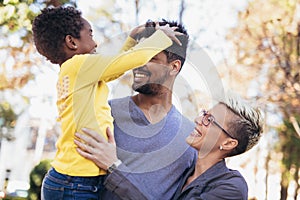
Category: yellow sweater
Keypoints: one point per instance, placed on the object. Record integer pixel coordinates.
(82, 97)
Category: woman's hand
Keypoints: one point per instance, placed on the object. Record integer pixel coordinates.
(94, 147)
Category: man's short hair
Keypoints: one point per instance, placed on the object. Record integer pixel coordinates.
(175, 51)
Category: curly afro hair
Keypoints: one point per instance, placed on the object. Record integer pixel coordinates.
(50, 29)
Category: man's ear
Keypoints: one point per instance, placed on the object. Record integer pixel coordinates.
(176, 66)
(70, 43)
(230, 144)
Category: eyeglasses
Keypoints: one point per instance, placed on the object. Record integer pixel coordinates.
(208, 118)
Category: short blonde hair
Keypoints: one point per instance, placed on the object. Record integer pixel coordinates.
(247, 127)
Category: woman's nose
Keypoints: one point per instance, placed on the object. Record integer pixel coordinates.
(198, 120)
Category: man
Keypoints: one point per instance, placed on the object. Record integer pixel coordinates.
(149, 131)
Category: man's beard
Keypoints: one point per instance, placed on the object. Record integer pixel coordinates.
(149, 89)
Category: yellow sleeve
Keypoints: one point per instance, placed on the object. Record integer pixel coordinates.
(97, 67)
(137, 56)
(128, 44)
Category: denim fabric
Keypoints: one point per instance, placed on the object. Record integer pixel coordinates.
(59, 186)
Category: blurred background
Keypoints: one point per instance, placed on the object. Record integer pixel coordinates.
(253, 44)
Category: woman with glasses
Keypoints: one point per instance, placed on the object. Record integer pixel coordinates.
(230, 128)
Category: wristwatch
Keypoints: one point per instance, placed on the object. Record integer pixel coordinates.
(114, 166)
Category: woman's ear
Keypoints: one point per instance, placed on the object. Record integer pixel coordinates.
(176, 66)
(230, 144)
(70, 43)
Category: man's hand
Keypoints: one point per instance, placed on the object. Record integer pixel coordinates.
(94, 147)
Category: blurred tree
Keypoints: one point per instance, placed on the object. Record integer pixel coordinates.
(17, 53)
(290, 147)
(7, 115)
(267, 46)
(36, 178)
(7, 121)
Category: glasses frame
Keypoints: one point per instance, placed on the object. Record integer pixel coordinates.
(209, 118)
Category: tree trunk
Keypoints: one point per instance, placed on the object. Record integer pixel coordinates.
(284, 185)
(296, 177)
(182, 8)
(137, 11)
(267, 172)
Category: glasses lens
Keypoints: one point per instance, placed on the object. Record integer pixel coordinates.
(207, 119)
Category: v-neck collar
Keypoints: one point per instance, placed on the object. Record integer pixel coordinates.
(139, 110)
(209, 174)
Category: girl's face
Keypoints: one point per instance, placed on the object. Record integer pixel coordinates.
(85, 44)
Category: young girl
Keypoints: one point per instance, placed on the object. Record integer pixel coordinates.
(65, 38)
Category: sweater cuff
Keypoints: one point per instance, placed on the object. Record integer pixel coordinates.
(114, 179)
(129, 43)
(122, 184)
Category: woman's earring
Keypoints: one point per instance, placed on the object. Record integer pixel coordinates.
(221, 148)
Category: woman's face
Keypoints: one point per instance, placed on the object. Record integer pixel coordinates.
(207, 136)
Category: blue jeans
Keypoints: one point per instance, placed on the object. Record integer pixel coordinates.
(59, 186)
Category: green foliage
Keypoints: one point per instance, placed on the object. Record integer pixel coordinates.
(7, 115)
(16, 15)
(289, 143)
(36, 178)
